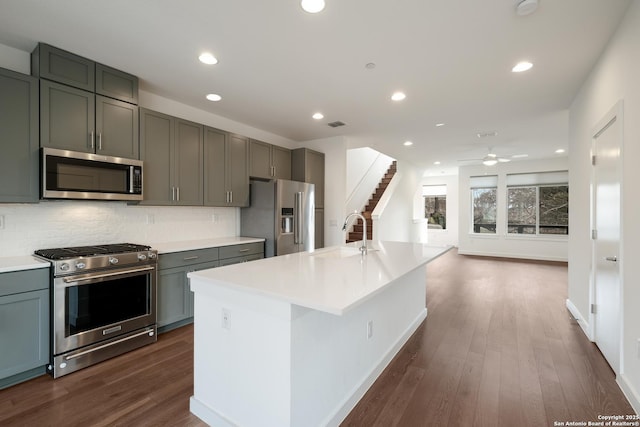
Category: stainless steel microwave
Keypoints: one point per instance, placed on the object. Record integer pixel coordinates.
(86, 176)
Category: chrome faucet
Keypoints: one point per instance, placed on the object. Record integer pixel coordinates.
(363, 248)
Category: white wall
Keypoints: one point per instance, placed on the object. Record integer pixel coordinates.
(399, 220)
(450, 235)
(615, 77)
(550, 248)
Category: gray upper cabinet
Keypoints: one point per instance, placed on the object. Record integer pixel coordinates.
(187, 165)
(77, 120)
(268, 161)
(116, 128)
(85, 106)
(156, 146)
(116, 84)
(67, 117)
(308, 166)
(226, 169)
(171, 150)
(18, 138)
(55, 64)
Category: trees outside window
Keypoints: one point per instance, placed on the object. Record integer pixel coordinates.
(484, 209)
(538, 210)
(435, 211)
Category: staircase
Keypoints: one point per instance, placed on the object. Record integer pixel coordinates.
(356, 234)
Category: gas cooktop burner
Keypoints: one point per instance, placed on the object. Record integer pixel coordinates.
(86, 251)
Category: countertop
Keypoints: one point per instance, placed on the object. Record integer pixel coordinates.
(331, 280)
(18, 263)
(189, 245)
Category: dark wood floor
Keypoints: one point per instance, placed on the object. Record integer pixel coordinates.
(498, 348)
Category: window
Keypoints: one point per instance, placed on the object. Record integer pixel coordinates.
(435, 206)
(483, 202)
(538, 204)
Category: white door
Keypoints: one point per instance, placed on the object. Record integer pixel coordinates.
(607, 143)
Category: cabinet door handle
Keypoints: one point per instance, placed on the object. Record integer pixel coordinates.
(100, 141)
(189, 258)
(173, 193)
(244, 250)
(178, 194)
(91, 140)
(230, 196)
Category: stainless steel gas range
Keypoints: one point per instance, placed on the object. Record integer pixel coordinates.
(103, 303)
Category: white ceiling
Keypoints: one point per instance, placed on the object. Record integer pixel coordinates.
(278, 64)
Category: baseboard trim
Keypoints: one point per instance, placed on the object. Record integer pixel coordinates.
(630, 392)
(584, 325)
(512, 255)
(208, 414)
(359, 391)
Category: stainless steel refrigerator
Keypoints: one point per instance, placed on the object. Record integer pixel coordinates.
(282, 212)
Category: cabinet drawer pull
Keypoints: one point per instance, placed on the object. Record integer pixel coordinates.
(189, 258)
(244, 250)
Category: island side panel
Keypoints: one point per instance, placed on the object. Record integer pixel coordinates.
(334, 361)
(241, 370)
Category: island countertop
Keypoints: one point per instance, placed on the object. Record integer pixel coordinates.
(331, 280)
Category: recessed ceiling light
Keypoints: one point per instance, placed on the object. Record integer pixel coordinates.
(370, 65)
(207, 58)
(312, 6)
(318, 116)
(398, 96)
(560, 150)
(408, 143)
(526, 7)
(522, 66)
(436, 163)
(439, 125)
(214, 97)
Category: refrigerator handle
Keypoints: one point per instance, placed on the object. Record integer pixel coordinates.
(298, 218)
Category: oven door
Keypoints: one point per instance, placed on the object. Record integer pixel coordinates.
(93, 307)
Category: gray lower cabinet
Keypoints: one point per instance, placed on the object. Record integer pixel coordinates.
(241, 253)
(77, 120)
(226, 174)
(18, 138)
(174, 297)
(24, 325)
(171, 150)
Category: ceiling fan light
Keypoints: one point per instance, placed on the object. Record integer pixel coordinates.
(503, 160)
(489, 162)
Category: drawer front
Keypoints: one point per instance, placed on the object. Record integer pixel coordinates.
(185, 258)
(240, 259)
(241, 250)
(16, 282)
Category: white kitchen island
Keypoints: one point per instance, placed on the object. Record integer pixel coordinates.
(296, 340)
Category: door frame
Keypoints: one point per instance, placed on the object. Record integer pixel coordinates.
(617, 113)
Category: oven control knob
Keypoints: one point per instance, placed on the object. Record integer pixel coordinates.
(142, 257)
(80, 265)
(113, 260)
(152, 255)
(64, 266)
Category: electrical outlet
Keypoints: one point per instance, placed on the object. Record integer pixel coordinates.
(369, 329)
(1, 222)
(226, 318)
(215, 218)
(150, 219)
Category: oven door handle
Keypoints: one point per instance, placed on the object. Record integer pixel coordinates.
(105, 275)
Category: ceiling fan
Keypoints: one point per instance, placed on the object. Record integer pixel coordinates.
(491, 159)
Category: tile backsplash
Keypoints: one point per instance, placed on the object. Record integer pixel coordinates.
(51, 224)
